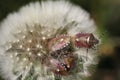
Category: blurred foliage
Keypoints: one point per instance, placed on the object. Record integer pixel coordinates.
(105, 12)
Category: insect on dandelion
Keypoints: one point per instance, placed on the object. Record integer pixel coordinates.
(47, 40)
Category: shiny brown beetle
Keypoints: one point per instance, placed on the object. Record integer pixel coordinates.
(85, 40)
(61, 66)
(58, 42)
(81, 40)
(63, 59)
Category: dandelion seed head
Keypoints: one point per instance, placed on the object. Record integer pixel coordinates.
(35, 23)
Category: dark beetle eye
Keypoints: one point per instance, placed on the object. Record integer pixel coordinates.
(66, 68)
(93, 40)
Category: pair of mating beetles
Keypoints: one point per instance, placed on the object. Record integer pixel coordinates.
(62, 59)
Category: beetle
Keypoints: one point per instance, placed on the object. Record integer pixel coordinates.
(85, 40)
(61, 66)
(58, 45)
(80, 40)
(61, 58)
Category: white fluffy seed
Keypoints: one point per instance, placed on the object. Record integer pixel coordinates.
(17, 58)
(19, 31)
(30, 41)
(38, 46)
(26, 67)
(11, 56)
(31, 31)
(21, 46)
(28, 49)
(42, 32)
(17, 40)
(39, 54)
(48, 35)
(16, 54)
(31, 63)
(8, 47)
(24, 59)
(30, 53)
(23, 36)
(41, 46)
(43, 38)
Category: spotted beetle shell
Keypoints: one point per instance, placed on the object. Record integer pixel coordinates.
(62, 66)
(85, 40)
(58, 43)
